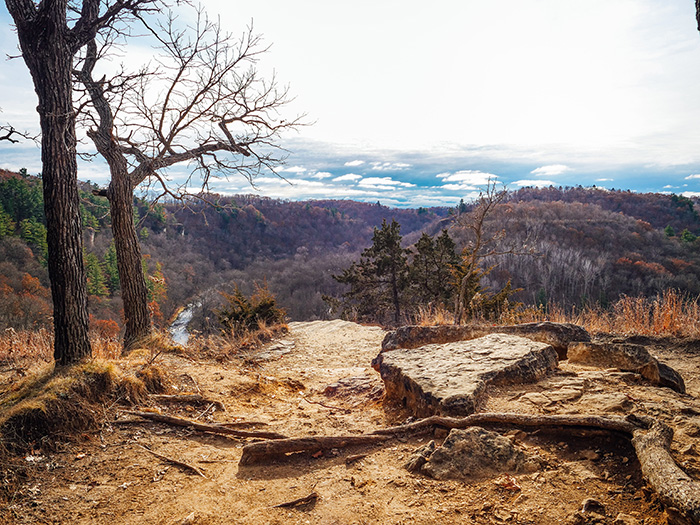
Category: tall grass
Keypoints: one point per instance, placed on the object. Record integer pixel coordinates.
(22, 347)
(670, 314)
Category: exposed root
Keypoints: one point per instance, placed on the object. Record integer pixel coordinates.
(651, 440)
(203, 427)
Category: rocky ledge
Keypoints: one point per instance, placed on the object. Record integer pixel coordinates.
(451, 378)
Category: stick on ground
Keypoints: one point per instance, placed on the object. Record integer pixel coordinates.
(179, 463)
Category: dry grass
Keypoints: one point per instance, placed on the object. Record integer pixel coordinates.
(233, 344)
(669, 314)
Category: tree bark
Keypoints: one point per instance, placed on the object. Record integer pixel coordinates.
(137, 318)
(46, 49)
(132, 281)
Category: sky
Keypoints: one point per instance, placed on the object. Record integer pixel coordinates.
(421, 104)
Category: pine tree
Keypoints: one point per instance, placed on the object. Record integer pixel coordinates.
(111, 270)
(96, 282)
(379, 280)
(430, 272)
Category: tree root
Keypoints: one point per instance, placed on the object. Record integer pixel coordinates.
(264, 450)
(203, 427)
(188, 398)
(651, 440)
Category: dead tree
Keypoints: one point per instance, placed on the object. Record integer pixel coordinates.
(201, 102)
(481, 245)
(50, 33)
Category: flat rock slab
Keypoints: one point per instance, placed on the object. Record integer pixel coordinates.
(451, 379)
(559, 335)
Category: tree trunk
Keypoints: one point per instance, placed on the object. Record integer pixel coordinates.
(137, 318)
(47, 53)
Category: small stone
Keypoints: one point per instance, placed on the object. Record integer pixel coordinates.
(590, 455)
(625, 519)
(593, 505)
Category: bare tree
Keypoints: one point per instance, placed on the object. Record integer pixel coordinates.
(201, 102)
(50, 33)
(480, 246)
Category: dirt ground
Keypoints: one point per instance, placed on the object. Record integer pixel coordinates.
(110, 478)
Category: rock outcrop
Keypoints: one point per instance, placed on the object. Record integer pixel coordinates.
(558, 335)
(628, 357)
(473, 453)
(451, 378)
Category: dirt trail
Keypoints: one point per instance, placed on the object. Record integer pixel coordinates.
(110, 478)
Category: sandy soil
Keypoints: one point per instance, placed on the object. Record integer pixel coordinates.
(110, 478)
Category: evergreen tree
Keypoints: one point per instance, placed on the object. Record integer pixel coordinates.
(430, 272)
(96, 282)
(378, 281)
(7, 225)
(111, 270)
(34, 233)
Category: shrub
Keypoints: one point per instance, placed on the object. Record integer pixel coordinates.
(242, 314)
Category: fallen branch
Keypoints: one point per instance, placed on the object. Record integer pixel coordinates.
(330, 407)
(182, 464)
(188, 398)
(263, 450)
(296, 502)
(203, 427)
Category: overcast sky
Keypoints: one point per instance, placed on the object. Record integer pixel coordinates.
(418, 103)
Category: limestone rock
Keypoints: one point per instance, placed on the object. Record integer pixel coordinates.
(451, 378)
(558, 335)
(476, 453)
(628, 357)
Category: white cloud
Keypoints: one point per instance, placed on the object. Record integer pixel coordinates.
(669, 187)
(535, 183)
(385, 183)
(349, 176)
(604, 180)
(393, 166)
(691, 194)
(354, 163)
(321, 175)
(294, 169)
(551, 170)
(471, 177)
(690, 177)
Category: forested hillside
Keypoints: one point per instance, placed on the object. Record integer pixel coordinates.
(577, 246)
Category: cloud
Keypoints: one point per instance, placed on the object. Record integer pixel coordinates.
(389, 166)
(321, 175)
(469, 177)
(669, 187)
(354, 163)
(691, 194)
(551, 170)
(384, 183)
(690, 177)
(294, 169)
(604, 180)
(535, 183)
(349, 176)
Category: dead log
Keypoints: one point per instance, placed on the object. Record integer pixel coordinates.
(264, 450)
(674, 487)
(203, 427)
